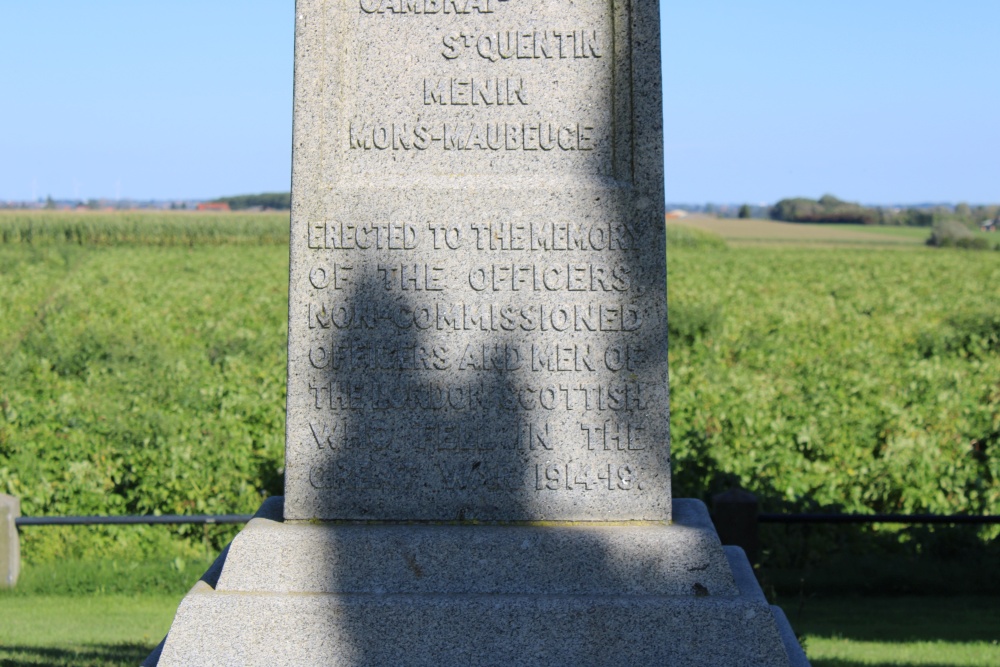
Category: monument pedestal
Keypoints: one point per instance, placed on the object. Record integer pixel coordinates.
(394, 594)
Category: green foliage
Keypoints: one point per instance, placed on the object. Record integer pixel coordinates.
(278, 201)
(966, 334)
(953, 234)
(140, 380)
(819, 390)
(915, 218)
(827, 209)
(744, 211)
(682, 236)
(91, 228)
(690, 323)
(150, 379)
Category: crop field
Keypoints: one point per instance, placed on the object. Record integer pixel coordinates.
(145, 377)
(143, 372)
(850, 377)
(772, 232)
(160, 228)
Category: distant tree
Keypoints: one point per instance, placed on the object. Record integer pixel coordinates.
(49, 202)
(953, 234)
(915, 217)
(827, 209)
(829, 201)
(281, 201)
(744, 211)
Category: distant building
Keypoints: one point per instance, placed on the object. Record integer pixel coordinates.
(213, 206)
(676, 214)
(990, 225)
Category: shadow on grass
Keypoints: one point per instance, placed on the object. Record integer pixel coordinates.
(897, 620)
(92, 655)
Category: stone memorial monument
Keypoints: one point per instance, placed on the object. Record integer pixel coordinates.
(477, 445)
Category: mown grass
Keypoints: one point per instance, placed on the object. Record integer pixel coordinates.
(899, 632)
(82, 631)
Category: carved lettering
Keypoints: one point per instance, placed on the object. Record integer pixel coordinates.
(525, 44)
(543, 136)
(472, 91)
(613, 435)
(368, 236)
(617, 397)
(476, 317)
(427, 6)
(416, 277)
(581, 476)
(551, 277)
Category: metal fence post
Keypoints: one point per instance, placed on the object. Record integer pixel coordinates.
(735, 515)
(10, 547)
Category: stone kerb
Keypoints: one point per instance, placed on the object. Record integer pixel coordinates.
(477, 306)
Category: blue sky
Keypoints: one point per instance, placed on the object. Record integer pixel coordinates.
(882, 101)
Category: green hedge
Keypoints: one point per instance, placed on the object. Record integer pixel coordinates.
(150, 379)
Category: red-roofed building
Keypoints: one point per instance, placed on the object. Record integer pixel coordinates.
(213, 206)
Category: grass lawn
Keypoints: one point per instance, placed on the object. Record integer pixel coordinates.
(899, 632)
(82, 630)
(837, 632)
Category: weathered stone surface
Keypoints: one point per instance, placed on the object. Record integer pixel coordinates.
(10, 545)
(477, 318)
(605, 598)
(583, 559)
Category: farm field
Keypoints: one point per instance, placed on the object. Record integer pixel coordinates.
(755, 231)
(142, 378)
(144, 373)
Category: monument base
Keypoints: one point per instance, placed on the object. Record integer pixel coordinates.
(457, 595)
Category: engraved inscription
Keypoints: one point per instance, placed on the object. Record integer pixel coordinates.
(525, 44)
(539, 235)
(463, 92)
(554, 235)
(545, 136)
(367, 236)
(477, 396)
(558, 357)
(476, 317)
(614, 435)
(574, 476)
(428, 6)
(477, 326)
(551, 278)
